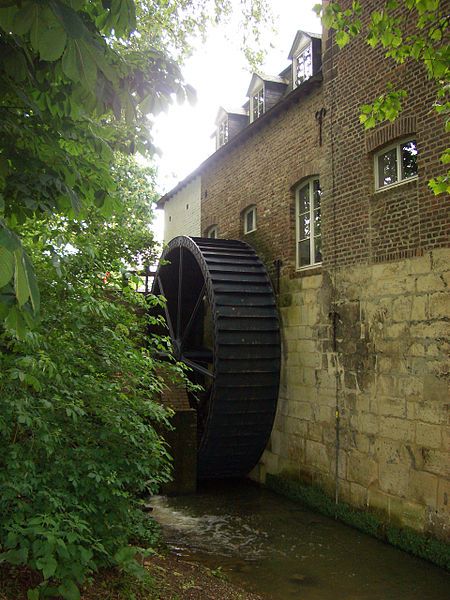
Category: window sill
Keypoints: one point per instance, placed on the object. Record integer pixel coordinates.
(391, 186)
(308, 271)
(250, 231)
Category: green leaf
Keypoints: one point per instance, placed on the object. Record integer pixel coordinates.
(78, 63)
(8, 239)
(6, 266)
(24, 19)
(20, 278)
(48, 565)
(33, 594)
(69, 590)
(52, 43)
(32, 283)
(7, 16)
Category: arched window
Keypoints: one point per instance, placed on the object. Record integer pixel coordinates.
(308, 222)
(212, 232)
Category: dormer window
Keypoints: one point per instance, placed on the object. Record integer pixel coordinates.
(257, 104)
(303, 65)
(222, 132)
(306, 57)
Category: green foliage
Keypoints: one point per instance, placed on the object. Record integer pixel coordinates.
(404, 538)
(78, 80)
(77, 437)
(390, 30)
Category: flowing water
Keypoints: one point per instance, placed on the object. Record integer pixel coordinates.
(284, 551)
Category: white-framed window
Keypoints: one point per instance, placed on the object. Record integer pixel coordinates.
(222, 132)
(250, 219)
(308, 228)
(257, 103)
(303, 65)
(395, 164)
(212, 232)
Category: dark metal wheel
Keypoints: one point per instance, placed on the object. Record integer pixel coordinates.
(223, 323)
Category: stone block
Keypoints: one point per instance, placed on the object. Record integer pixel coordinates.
(436, 461)
(419, 264)
(301, 410)
(391, 407)
(430, 282)
(317, 456)
(423, 488)
(315, 432)
(435, 389)
(313, 282)
(413, 515)
(296, 426)
(419, 309)
(436, 412)
(428, 436)
(310, 359)
(306, 346)
(270, 462)
(361, 469)
(401, 308)
(410, 388)
(394, 478)
(439, 305)
(443, 496)
(441, 259)
(378, 500)
(358, 495)
(368, 423)
(397, 429)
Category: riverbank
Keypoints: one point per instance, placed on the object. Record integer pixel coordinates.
(169, 578)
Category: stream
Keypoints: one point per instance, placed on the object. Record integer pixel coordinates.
(270, 545)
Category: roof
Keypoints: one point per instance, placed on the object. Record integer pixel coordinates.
(298, 40)
(302, 90)
(222, 112)
(265, 78)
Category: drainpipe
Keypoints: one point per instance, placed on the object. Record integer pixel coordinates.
(334, 316)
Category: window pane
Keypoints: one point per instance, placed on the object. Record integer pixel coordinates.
(409, 159)
(317, 249)
(317, 193)
(304, 65)
(250, 220)
(304, 230)
(304, 254)
(387, 168)
(303, 199)
(317, 222)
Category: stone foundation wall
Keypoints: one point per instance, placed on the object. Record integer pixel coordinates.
(369, 345)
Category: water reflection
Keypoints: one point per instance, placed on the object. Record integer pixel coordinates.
(277, 548)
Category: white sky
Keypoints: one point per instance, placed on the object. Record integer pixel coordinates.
(220, 75)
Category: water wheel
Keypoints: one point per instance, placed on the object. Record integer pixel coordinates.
(222, 320)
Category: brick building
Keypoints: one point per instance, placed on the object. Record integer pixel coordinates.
(357, 245)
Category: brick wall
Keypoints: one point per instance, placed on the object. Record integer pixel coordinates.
(359, 224)
(263, 170)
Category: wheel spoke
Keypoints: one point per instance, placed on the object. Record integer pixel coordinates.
(196, 367)
(166, 310)
(200, 355)
(180, 285)
(193, 314)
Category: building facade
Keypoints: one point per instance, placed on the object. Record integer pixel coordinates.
(357, 247)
